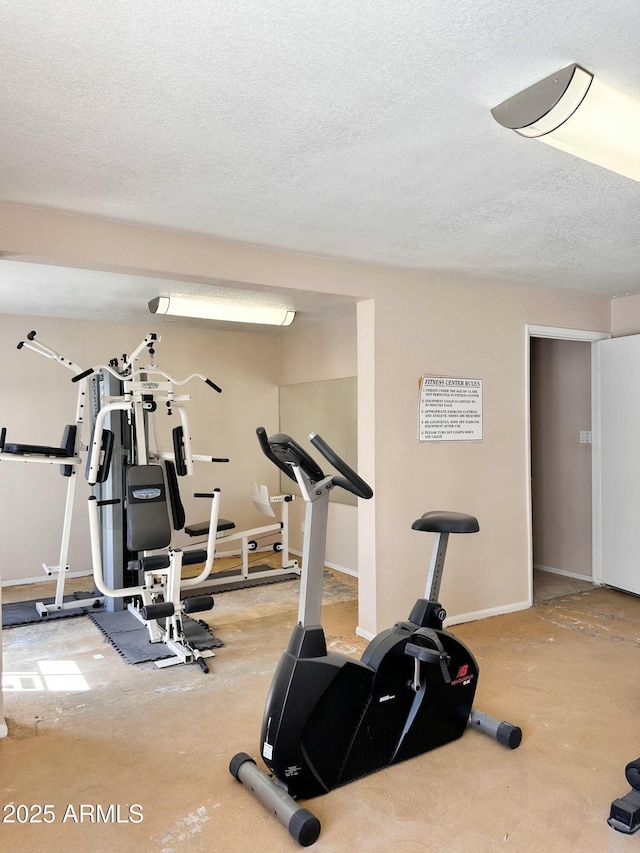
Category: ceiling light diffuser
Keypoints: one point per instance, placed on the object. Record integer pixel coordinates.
(575, 112)
(182, 306)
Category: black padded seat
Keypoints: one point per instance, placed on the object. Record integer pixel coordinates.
(439, 521)
(63, 452)
(35, 450)
(202, 528)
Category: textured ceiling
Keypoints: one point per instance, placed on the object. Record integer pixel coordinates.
(349, 129)
(54, 291)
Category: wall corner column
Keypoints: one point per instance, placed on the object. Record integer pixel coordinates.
(367, 574)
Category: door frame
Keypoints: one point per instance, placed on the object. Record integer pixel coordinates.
(556, 333)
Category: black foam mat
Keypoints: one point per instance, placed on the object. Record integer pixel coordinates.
(130, 638)
(25, 613)
(15, 613)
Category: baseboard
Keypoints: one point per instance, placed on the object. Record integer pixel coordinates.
(466, 617)
(485, 614)
(343, 569)
(42, 578)
(563, 572)
(367, 635)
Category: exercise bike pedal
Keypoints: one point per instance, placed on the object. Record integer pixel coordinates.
(625, 813)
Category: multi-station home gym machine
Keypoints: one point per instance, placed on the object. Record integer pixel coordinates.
(130, 490)
(135, 507)
(133, 556)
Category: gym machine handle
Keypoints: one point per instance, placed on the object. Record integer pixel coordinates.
(110, 502)
(213, 385)
(30, 337)
(350, 480)
(268, 452)
(83, 375)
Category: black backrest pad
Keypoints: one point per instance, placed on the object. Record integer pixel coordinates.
(69, 444)
(178, 451)
(177, 507)
(69, 439)
(148, 524)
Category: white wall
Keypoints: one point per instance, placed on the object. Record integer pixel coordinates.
(39, 399)
(625, 316)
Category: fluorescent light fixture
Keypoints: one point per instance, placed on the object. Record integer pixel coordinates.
(183, 306)
(577, 113)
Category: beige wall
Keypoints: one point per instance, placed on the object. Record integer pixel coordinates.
(39, 399)
(416, 324)
(625, 316)
(328, 351)
(560, 465)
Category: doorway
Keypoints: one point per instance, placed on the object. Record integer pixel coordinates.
(562, 492)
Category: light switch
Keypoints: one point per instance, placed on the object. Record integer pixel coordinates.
(585, 436)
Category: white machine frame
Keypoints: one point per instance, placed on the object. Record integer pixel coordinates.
(61, 570)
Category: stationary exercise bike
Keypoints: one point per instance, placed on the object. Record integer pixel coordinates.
(330, 719)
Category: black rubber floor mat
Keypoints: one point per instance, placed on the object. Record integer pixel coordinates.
(15, 613)
(131, 639)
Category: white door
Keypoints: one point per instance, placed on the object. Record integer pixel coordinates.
(620, 462)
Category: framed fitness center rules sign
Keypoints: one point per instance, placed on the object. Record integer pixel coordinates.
(450, 409)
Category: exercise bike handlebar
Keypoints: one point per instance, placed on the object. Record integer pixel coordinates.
(290, 453)
(268, 452)
(350, 481)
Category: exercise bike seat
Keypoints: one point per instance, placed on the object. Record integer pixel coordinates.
(439, 521)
